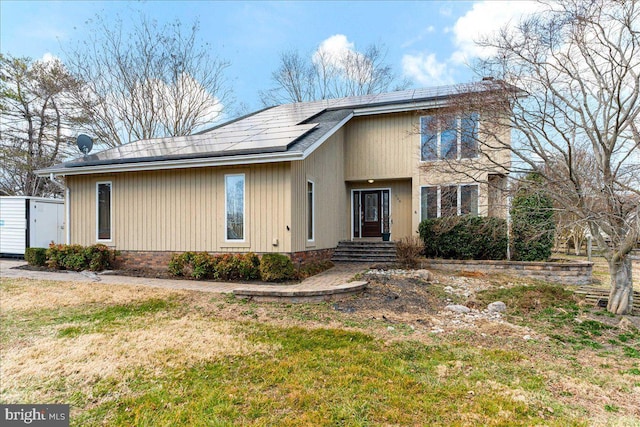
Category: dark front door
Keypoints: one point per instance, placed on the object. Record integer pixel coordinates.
(370, 203)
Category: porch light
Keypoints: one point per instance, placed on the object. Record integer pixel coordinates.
(370, 181)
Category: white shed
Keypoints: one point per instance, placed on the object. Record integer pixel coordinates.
(29, 222)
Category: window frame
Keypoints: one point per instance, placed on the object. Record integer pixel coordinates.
(311, 211)
(459, 131)
(98, 184)
(439, 188)
(244, 208)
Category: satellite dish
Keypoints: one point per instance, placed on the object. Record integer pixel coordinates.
(84, 143)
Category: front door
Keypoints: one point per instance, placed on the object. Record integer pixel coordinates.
(371, 218)
(371, 210)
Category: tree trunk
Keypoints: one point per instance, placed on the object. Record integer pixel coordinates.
(621, 295)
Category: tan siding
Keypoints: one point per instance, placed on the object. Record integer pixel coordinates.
(381, 147)
(325, 168)
(182, 210)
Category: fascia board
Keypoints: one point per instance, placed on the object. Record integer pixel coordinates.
(173, 164)
(400, 108)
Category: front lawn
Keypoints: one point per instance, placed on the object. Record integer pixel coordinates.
(142, 356)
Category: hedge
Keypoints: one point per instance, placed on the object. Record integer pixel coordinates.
(464, 237)
(276, 267)
(230, 267)
(77, 258)
(36, 256)
(203, 266)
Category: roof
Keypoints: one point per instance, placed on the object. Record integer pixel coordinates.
(282, 133)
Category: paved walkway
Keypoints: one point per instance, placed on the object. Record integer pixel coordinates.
(334, 280)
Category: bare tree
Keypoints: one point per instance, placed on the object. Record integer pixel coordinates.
(326, 75)
(156, 80)
(38, 119)
(577, 67)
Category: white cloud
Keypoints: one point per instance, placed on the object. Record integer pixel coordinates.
(482, 20)
(426, 70)
(334, 50)
(49, 57)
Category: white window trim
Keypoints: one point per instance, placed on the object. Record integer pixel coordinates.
(244, 208)
(313, 210)
(98, 212)
(458, 144)
(458, 197)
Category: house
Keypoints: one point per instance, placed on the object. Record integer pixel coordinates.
(295, 179)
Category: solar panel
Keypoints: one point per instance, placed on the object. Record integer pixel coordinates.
(273, 129)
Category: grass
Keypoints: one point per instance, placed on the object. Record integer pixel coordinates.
(139, 356)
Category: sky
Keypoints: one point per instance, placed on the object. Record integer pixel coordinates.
(428, 42)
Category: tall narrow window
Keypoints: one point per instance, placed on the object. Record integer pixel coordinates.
(429, 138)
(234, 206)
(469, 136)
(469, 200)
(449, 200)
(429, 202)
(103, 210)
(449, 138)
(310, 211)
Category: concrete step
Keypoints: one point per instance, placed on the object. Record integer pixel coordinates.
(365, 251)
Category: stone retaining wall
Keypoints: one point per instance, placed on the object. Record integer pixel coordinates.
(565, 273)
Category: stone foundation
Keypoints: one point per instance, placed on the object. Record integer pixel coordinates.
(159, 261)
(565, 273)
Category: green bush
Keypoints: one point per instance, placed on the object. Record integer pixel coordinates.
(36, 256)
(276, 268)
(202, 266)
(464, 237)
(77, 257)
(533, 227)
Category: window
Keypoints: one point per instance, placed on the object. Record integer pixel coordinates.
(234, 207)
(310, 211)
(469, 200)
(448, 200)
(103, 210)
(429, 202)
(449, 137)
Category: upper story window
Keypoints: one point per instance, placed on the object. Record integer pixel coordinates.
(449, 137)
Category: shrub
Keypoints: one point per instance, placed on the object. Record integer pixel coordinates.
(249, 266)
(202, 265)
(464, 237)
(99, 257)
(77, 258)
(36, 256)
(533, 227)
(178, 262)
(276, 268)
(408, 249)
